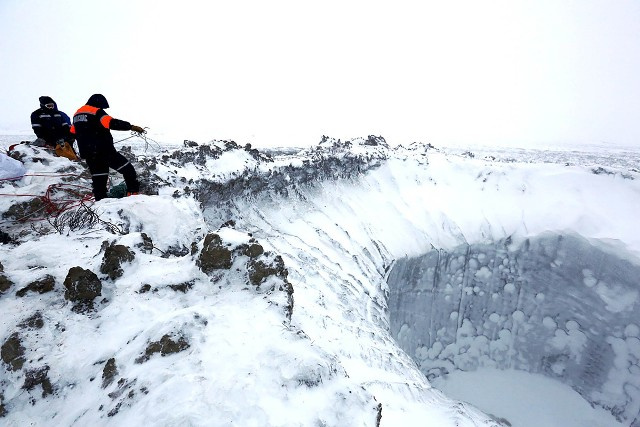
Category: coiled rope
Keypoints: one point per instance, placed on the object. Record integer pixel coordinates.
(57, 199)
(148, 142)
(75, 195)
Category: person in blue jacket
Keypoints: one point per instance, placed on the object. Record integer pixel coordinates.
(51, 126)
(91, 127)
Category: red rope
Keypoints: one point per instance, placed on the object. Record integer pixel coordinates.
(52, 174)
(52, 206)
(56, 207)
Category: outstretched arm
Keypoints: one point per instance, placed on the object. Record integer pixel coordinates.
(117, 124)
(111, 123)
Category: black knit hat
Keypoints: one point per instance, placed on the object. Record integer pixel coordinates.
(98, 100)
(44, 100)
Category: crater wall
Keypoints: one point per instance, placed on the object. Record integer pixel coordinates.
(554, 304)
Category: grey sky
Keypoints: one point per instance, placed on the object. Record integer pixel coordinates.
(542, 73)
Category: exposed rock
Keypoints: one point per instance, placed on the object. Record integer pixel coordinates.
(3, 410)
(182, 287)
(287, 287)
(376, 140)
(82, 286)
(109, 372)
(229, 223)
(260, 270)
(325, 163)
(502, 422)
(40, 286)
(214, 256)
(123, 385)
(114, 256)
(124, 395)
(600, 170)
(177, 251)
(33, 322)
(24, 210)
(39, 377)
(5, 283)
(147, 244)
(17, 154)
(12, 352)
(252, 250)
(165, 346)
(1, 268)
(144, 288)
(196, 154)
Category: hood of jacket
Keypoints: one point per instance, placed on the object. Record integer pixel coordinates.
(47, 100)
(98, 100)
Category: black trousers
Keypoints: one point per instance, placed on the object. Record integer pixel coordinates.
(99, 164)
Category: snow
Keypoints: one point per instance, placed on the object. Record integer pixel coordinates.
(224, 358)
(338, 357)
(10, 168)
(172, 222)
(524, 399)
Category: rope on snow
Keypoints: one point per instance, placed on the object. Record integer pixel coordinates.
(57, 199)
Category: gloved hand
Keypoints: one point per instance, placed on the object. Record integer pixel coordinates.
(138, 129)
(39, 142)
(60, 142)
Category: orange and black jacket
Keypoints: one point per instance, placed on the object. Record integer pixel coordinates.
(91, 126)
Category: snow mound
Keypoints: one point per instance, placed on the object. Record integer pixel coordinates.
(202, 338)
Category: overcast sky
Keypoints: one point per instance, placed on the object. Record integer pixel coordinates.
(522, 73)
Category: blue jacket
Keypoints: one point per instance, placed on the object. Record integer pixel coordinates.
(51, 124)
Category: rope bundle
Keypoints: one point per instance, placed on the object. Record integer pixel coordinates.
(57, 199)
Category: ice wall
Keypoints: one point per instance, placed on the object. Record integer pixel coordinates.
(554, 304)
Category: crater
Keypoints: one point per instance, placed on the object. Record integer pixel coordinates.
(556, 304)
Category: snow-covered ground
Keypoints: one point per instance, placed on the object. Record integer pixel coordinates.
(340, 216)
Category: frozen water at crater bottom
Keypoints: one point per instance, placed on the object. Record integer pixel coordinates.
(556, 305)
(524, 399)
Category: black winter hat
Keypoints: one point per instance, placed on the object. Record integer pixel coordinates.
(47, 100)
(98, 100)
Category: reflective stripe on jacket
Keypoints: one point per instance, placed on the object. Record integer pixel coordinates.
(50, 125)
(91, 128)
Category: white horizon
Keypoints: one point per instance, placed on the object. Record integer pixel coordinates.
(529, 74)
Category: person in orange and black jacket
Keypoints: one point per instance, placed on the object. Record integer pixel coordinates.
(50, 125)
(91, 127)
